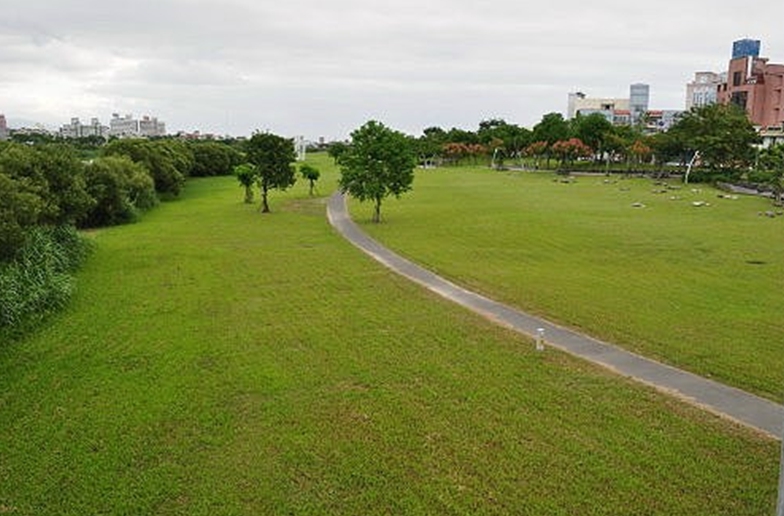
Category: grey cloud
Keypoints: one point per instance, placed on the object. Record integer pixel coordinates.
(322, 68)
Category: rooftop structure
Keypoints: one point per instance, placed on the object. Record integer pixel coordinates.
(745, 48)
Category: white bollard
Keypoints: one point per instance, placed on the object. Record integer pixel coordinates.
(540, 339)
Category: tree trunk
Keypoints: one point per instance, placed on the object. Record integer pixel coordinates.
(264, 205)
(311, 188)
(249, 194)
(377, 211)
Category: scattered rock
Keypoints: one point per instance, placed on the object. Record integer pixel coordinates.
(638, 205)
(699, 204)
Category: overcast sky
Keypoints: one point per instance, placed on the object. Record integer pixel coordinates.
(298, 67)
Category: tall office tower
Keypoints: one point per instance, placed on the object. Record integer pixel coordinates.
(639, 96)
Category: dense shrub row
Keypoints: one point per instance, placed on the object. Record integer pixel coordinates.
(48, 190)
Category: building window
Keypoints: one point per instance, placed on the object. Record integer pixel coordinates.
(740, 98)
(736, 78)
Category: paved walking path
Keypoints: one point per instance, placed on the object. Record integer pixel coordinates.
(725, 401)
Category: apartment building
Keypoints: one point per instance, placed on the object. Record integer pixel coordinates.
(754, 84)
(703, 90)
(76, 129)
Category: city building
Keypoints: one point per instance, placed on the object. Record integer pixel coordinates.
(639, 95)
(755, 85)
(123, 126)
(3, 128)
(703, 90)
(624, 111)
(78, 130)
(579, 102)
(150, 126)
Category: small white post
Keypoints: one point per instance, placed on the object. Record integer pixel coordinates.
(540, 339)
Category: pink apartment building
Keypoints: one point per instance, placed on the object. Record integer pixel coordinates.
(755, 85)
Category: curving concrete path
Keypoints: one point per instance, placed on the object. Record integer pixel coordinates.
(718, 398)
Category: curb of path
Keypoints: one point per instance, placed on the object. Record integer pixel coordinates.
(725, 401)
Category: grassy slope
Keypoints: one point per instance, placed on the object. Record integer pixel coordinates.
(216, 361)
(699, 288)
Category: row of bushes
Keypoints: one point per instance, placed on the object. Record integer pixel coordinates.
(49, 190)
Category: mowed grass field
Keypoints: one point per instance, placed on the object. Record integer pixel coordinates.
(700, 288)
(217, 361)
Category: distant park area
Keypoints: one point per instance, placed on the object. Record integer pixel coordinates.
(214, 360)
(686, 274)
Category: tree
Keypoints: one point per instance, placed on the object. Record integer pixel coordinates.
(167, 162)
(19, 211)
(722, 134)
(121, 189)
(536, 150)
(569, 150)
(593, 130)
(246, 175)
(771, 173)
(552, 128)
(311, 174)
(335, 150)
(55, 174)
(213, 159)
(379, 163)
(272, 155)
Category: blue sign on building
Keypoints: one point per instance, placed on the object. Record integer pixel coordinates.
(745, 48)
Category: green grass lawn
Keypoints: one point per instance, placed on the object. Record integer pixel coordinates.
(696, 287)
(217, 361)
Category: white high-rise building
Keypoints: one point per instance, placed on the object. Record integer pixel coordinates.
(703, 89)
(127, 126)
(76, 129)
(123, 126)
(150, 126)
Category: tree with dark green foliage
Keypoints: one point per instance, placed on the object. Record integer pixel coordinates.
(380, 162)
(311, 174)
(593, 130)
(168, 162)
(771, 171)
(552, 128)
(272, 155)
(722, 134)
(121, 189)
(246, 175)
(55, 174)
(335, 150)
(213, 159)
(20, 208)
